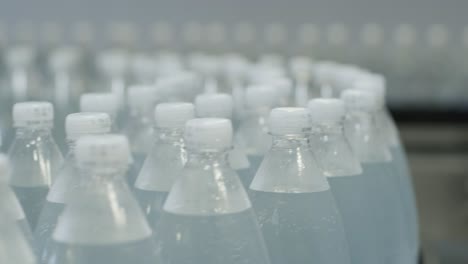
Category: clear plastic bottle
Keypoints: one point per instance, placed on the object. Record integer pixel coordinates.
(14, 246)
(113, 64)
(9, 204)
(301, 69)
(66, 80)
(23, 79)
(208, 67)
(207, 217)
(235, 68)
(221, 106)
(138, 125)
(102, 222)
(253, 128)
(166, 158)
(376, 85)
(34, 156)
(345, 175)
(76, 126)
(369, 145)
(292, 198)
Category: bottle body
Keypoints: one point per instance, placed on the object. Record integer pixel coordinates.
(161, 168)
(228, 238)
(102, 223)
(208, 218)
(55, 202)
(352, 195)
(404, 180)
(13, 245)
(253, 134)
(139, 130)
(36, 160)
(406, 187)
(138, 252)
(301, 227)
(390, 218)
(295, 207)
(10, 206)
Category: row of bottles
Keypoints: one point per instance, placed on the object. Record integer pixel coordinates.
(179, 172)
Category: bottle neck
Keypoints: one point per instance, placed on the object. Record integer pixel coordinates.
(335, 128)
(142, 112)
(71, 143)
(168, 135)
(25, 132)
(207, 157)
(365, 136)
(290, 141)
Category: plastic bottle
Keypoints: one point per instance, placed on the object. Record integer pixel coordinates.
(292, 198)
(344, 172)
(76, 126)
(253, 129)
(235, 68)
(301, 69)
(66, 81)
(102, 222)
(113, 65)
(209, 68)
(368, 144)
(9, 204)
(207, 217)
(14, 246)
(376, 85)
(34, 156)
(139, 124)
(166, 158)
(23, 79)
(221, 106)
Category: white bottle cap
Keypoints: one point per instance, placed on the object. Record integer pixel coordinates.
(100, 102)
(33, 114)
(173, 115)
(141, 96)
(258, 96)
(359, 100)
(289, 121)
(373, 83)
(214, 105)
(5, 169)
(86, 123)
(208, 133)
(102, 150)
(326, 110)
